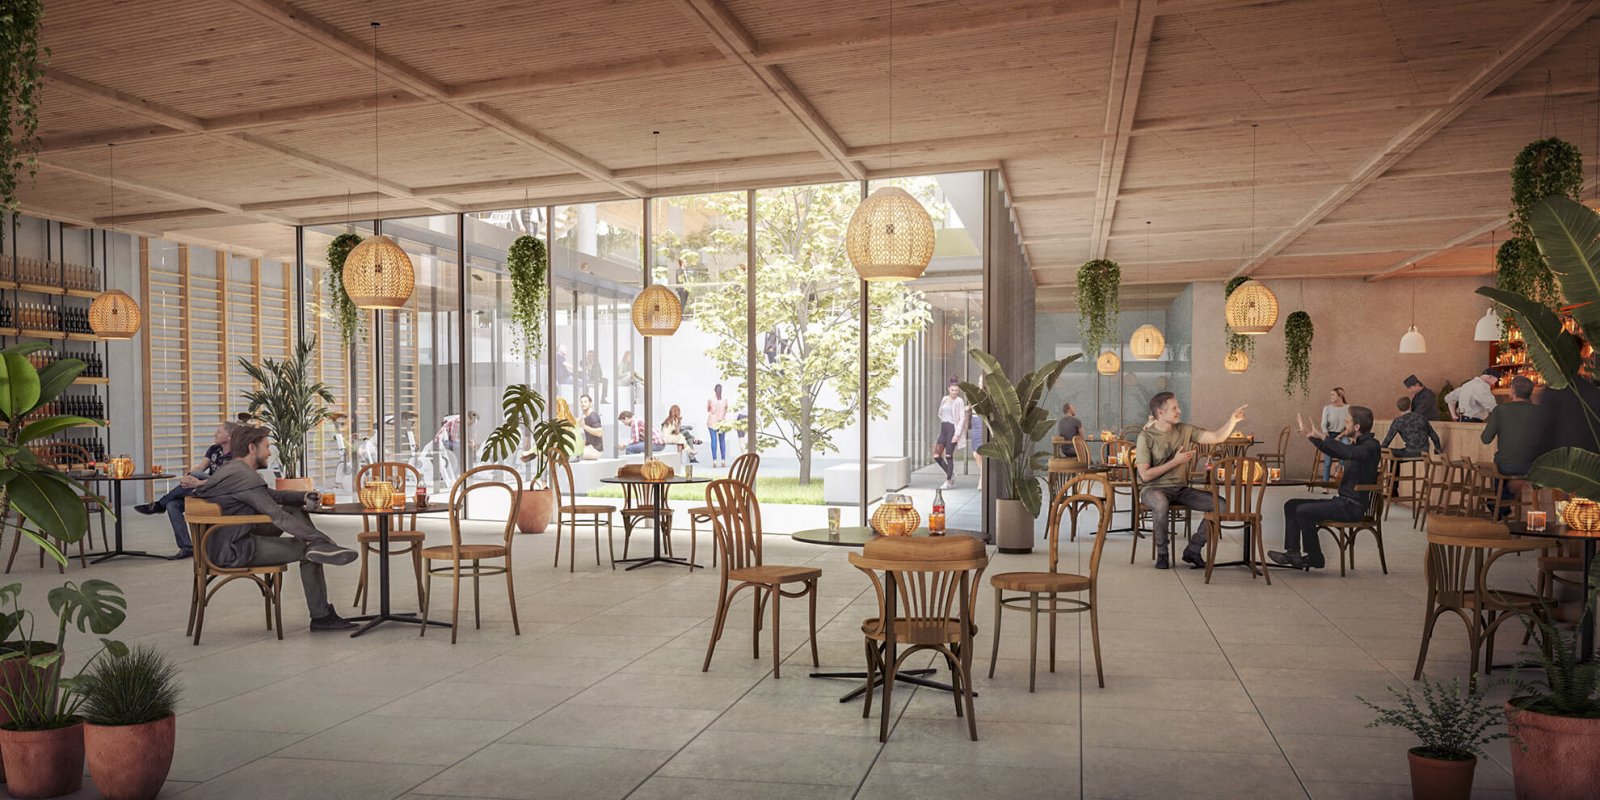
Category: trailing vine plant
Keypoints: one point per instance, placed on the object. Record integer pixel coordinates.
(1297, 333)
(21, 75)
(344, 309)
(1236, 342)
(1098, 281)
(529, 264)
(1544, 168)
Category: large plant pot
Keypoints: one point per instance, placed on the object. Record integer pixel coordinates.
(1013, 527)
(534, 508)
(295, 485)
(1553, 758)
(1440, 779)
(130, 762)
(43, 763)
(12, 681)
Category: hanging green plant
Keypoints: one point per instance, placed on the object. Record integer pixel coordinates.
(1544, 168)
(21, 74)
(344, 309)
(1297, 333)
(529, 264)
(1098, 281)
(1236, 342)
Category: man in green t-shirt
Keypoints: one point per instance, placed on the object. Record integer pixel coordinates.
(1164, 452)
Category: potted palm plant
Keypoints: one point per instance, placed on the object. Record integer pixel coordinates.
(1017, 422)
(42, 743)
(1556, 724)
(129, 727)
(1452, 726)
(522, 406)
(291, 406)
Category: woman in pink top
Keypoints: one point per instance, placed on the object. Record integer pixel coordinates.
(716, 412)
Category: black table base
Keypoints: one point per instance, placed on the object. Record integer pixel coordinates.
(384, 613)
(119, 551)
(658, 496)
(903, 676)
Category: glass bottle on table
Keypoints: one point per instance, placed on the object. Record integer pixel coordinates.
(936, 519)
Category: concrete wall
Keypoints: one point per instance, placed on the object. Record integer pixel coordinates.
(1358, 328)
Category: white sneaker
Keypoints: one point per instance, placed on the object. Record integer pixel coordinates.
(949, 484)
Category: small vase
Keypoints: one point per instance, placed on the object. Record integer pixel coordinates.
(45, 763)
(130, 762)
(1440, 779)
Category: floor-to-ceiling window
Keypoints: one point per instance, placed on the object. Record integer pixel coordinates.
(335, 450)
(424, 421)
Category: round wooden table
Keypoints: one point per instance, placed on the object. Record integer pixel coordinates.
(116, 503)
(383, 514)
(858, 536)
(658, 501)
(1557, 530)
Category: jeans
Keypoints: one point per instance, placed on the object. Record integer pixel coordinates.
(1300, 518)
(947, 462)
(1159, 499)
(638, 447)
(172, 502)
(719, 444)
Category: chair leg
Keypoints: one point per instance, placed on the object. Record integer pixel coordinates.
(557, 562)
(1383, 560)
(194, 599)
(611, 541)
(511, 596)
(455, 599)
(1427, 636)
(361, 581)
(777, 653)
(965, 663)
(1261, 551)
(427, 594)
(755, 625)
(994, 653)
(811, 590)
(891, 664)
(872, 664)
(1033, 638)
(277, 602)
(1052, 632)
(416, 568)
(200, 609)
(1094, 634)
(1213, 533)
(16, 541)
(716, 627)
(694, 541)
(477, 597)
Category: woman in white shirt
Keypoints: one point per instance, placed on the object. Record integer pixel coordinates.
(1334, 416)
(952, 419)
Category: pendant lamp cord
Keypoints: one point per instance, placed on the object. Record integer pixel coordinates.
(1253, 132)
(111, 152)
(891, 87)
(377, 192)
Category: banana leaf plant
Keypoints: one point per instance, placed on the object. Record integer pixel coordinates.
(1568, 233)
(48, 503)
(522, 406)
(1016, 420)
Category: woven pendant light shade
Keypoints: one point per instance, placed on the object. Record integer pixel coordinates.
(890, 237)
(1236, 362)
(1252, 309)
(657, 311)
(114, 315)
(377, 274)
(1108, 363)
(1147, 343)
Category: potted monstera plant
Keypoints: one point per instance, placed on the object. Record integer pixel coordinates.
(291, 405)
(521, 407)
(1015, 417)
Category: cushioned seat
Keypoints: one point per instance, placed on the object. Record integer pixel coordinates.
(1041, 582)
(769, 574)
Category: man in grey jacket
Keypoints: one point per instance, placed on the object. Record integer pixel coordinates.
(237, 487)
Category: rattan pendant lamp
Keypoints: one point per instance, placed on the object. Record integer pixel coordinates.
(1252, 309)
(1236, 362)
(1147, 342)
(1108, 363)
(114, 315)
(657, 311)
(890, 237)
(378, 273)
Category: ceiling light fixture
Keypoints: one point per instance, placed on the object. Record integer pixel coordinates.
(378, 273)
(1488, 329)
(657, 311)
(1413, 342)
(1147, 342)
(1252, 309)
(114, 315)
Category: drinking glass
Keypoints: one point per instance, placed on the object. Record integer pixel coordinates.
(833, 523)
(327, 499)
(1274, 474)
(1536, 520)
(397, 500)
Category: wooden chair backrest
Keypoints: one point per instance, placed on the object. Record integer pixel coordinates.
(930, 576)
(1076, 498)
(61, 454)
(1080, 448)
(744, 469)
(404, 477)
(204, 518)
(635, 495)
(1244, 483)
(561, 475)
(1283, 441)
(487, 476)
(735, 523)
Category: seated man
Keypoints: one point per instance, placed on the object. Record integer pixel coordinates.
(239, 490)
(636, 434)
(1162, 456)
(172, 502)
(1519, 427)
(1301, 515)
(1415, 432)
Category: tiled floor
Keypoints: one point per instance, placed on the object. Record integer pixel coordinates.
(1229, 690)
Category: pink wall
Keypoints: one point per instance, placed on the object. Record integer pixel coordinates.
(1356, 346)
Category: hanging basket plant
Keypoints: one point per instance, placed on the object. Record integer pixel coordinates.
(21, 75)
(1297, 333)
(1098, 281)
(1236, 342)
(344, 309)
(529, 264)
(1544, 168)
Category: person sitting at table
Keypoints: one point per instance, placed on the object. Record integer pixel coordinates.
(1302, 549)
(1162, 456)
(1415, 432)
(172, 502)
(237, 487)
(1067, 427)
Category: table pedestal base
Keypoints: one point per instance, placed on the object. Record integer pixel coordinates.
(117, 553)
(635, 563)
(374, 620)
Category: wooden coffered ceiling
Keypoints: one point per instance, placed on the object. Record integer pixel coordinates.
(1374, 136)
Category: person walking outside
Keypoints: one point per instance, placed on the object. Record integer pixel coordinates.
(952, 422)
(716, 412)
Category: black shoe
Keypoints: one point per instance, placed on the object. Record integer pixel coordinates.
(181, 555)
(331, 622)
(149, 508)
(1161, 562)
(1194, 560)
(1290, 560)
(331, 554)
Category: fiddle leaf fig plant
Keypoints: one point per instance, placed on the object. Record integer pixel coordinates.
(528, 262)
(1098, 281)
(345, 312)
(1297, 334)
(522, 406)
(1017, 421)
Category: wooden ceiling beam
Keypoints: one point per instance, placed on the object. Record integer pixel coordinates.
(730, 37)
(157, 191)
(1131, 50)
(1544, 33)
(999, 18)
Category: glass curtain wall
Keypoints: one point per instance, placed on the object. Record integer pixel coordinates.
(335, 450)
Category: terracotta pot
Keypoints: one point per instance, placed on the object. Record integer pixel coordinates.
(11, 681)
(534, 508)
(130, 762)
(1437, 778)
(294, 485)
(1553, 758)
(43, 763)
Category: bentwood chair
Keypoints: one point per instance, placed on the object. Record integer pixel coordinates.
(69, 456)
(1142, 512)
(204, 518)
(1438, 483)
(404, 537)
(463, 559)
(736, 524)
(1278, 458)
(1344, 532)
(638, 508)
(1461, 552)
(572, 516)
(1236, 503)
(1078, 497)
(744, 471)
(925, 602)
(1120, 480)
